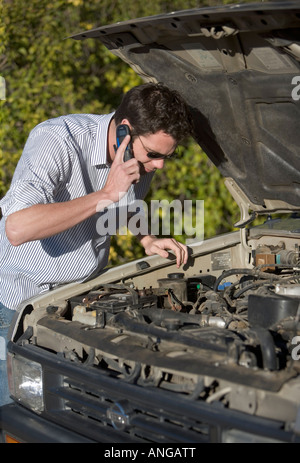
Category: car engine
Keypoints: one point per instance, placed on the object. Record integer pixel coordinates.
(222, 333)
(250, 322)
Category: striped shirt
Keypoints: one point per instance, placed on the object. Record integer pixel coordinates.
(63, 159)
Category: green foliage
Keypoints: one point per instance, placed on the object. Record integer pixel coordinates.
(48, 75)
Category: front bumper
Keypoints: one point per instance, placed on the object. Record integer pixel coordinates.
(82, 404)
(24, 426)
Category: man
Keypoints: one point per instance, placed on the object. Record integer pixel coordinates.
(69, 174)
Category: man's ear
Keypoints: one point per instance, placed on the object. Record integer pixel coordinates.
(126, 121)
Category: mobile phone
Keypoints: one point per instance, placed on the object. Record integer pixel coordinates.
(122, 131)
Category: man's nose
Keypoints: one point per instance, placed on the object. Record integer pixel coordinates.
(158, 163)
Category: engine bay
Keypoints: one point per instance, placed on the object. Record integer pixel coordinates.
(244, 316)
(216, 331)
(258, 313)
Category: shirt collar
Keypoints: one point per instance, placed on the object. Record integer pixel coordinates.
(99, 152)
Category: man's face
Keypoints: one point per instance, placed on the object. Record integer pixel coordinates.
(151, 150)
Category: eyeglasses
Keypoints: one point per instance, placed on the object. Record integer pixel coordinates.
(154, 155)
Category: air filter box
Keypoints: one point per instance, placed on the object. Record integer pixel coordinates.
(266, 310)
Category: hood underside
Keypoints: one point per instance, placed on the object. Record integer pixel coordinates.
(238, 67)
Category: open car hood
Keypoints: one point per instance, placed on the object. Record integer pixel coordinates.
(238, 67)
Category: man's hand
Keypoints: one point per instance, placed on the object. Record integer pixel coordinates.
(122, 174)
(154, 245)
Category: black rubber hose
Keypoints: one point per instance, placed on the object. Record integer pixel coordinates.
(244, 271)
(267, 348)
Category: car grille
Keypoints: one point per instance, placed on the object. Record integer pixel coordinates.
(107, 409)
(119, 419)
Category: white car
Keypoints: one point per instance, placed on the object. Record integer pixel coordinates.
(143, 353)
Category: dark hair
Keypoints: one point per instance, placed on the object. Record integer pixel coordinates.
(151, 108)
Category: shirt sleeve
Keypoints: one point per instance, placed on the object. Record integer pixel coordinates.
(44, 168)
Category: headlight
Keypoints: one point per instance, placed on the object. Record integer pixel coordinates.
(26, 382)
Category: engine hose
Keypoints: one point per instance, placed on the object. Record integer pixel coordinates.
(244, 271)
(267, 348)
